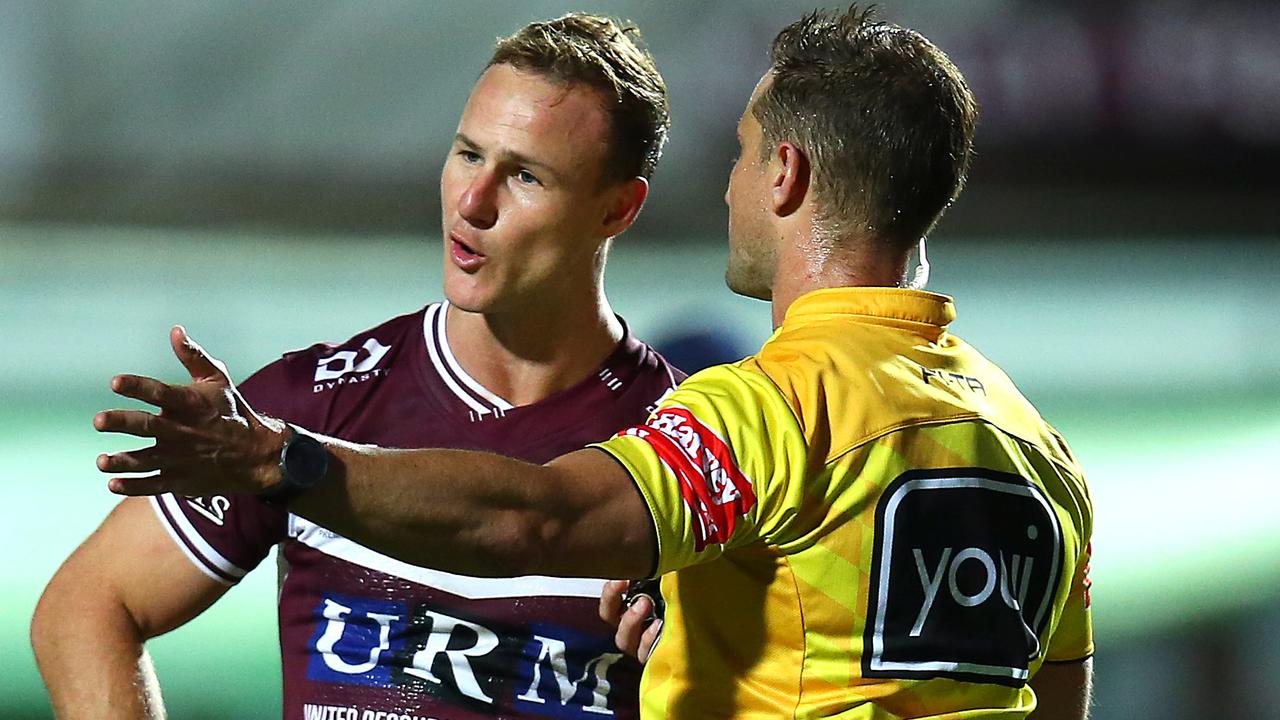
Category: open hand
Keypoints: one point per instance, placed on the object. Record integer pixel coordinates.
(208, 441)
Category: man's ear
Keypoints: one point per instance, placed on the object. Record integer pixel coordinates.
(627, 199)
(791, 175)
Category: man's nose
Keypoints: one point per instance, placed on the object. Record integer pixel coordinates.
(479, 202)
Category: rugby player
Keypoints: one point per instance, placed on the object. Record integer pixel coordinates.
(865, 519)
(551, 160)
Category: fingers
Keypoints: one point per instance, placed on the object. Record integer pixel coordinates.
(134, 461)
(648, 640)
(138, 423)
(611, 601)
(174, 398)
(195, 359)
(149, 485)
(637, 621)
(181, 474)
(638, 628)
(640, 611)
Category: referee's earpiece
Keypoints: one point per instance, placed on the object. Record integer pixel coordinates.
(918, 261)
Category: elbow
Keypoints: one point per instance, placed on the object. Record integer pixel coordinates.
(521, 543)
(70, 612)
(562, 545)
(49, 623)
(549, 547)
(40, 633)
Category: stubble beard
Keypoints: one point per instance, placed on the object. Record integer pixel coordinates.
(750, 272)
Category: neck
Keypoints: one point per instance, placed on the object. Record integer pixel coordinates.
(809, 260)
(530, 354)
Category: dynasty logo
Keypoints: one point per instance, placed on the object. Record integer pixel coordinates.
(347, 367)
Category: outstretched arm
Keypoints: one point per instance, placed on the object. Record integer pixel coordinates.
(482, 514)
(464, 512)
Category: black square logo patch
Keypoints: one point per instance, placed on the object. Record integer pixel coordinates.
(966, 564)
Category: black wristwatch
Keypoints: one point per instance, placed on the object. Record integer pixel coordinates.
(303, 463)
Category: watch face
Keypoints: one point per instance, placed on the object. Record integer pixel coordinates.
(305, 461)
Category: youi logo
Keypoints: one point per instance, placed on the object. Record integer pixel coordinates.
(965, 568)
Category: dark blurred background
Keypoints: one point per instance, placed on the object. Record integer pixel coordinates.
(266, 173)
(1149, 117)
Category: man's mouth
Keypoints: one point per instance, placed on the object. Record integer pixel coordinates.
(465, 256)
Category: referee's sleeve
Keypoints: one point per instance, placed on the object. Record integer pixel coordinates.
(1073, 638)
(714, 463)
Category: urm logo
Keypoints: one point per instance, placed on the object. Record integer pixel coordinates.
(353, 636)
(567, 674)
(551, 671)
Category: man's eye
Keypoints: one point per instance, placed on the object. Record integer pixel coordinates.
(527, 178)
(469, 156)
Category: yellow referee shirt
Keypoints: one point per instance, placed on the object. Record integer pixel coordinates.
(864, 520)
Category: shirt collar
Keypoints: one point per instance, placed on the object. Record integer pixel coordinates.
(918, 307)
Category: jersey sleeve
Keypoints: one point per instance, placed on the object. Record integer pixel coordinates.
(1073, 638)
(226, 536)
(719, 465)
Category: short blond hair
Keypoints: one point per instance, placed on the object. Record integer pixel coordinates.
(609, 56)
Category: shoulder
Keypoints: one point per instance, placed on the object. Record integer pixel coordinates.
(654, 365)
(739, 395)
(276, 387)
(641, 373)
(649, 363)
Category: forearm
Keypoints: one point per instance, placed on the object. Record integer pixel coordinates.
(93, 662)
(480, 514)
(466, 512)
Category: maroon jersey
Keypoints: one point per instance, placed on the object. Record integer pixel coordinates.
(366, 636)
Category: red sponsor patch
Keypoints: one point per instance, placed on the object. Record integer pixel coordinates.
(711, 483)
